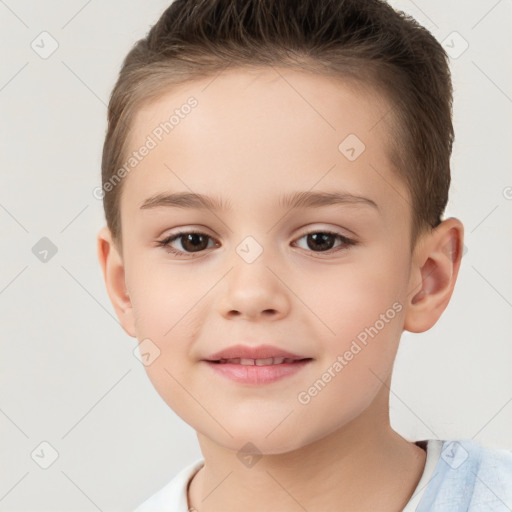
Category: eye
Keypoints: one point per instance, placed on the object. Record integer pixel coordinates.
(193, 241)
(323, 241)
(196, 242)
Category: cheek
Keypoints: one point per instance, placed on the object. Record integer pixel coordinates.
(169, 306)
(349, 298)
(362, 311)
(164, 298)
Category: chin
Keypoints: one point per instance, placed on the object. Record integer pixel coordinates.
(261, 439)
(260, 445)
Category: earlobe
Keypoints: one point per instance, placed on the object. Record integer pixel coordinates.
(114, 275)
(434, 273)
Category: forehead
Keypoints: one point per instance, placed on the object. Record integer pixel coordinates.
(261, 129)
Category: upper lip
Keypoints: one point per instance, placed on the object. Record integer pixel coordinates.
(250, 352)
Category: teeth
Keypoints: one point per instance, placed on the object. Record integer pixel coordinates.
(258, 362)
(261, 362)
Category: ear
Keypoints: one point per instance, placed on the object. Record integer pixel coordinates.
(435, 266)
(113, 272)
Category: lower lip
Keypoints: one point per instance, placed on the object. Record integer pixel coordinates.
(253, 374)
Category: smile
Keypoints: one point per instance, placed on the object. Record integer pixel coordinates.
(257, 371)
(258, 362)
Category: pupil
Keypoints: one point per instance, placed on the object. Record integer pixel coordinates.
(192, 238)
(321, 239)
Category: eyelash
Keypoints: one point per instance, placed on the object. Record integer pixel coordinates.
(346, 242)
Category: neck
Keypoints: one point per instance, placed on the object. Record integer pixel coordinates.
(363, 466)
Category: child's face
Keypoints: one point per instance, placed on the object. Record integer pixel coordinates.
(252, 139)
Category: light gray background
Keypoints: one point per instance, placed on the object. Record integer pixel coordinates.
(68, 373)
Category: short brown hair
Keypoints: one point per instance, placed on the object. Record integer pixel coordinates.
(363, 40)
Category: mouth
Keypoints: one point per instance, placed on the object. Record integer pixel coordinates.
(260, 362)
(256, 366)
(251, 365)
(260, 355)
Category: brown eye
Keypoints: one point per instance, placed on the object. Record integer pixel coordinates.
(194, 242)
(190, 241)
(321, 241)
(324, 241)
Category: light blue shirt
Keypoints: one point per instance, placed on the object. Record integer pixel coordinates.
(469, 477)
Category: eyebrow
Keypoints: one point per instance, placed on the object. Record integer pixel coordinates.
(292, 201)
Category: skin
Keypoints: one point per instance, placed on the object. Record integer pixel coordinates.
(254, 136)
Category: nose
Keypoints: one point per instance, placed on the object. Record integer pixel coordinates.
(254, 291)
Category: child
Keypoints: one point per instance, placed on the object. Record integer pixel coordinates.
(275, 175)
